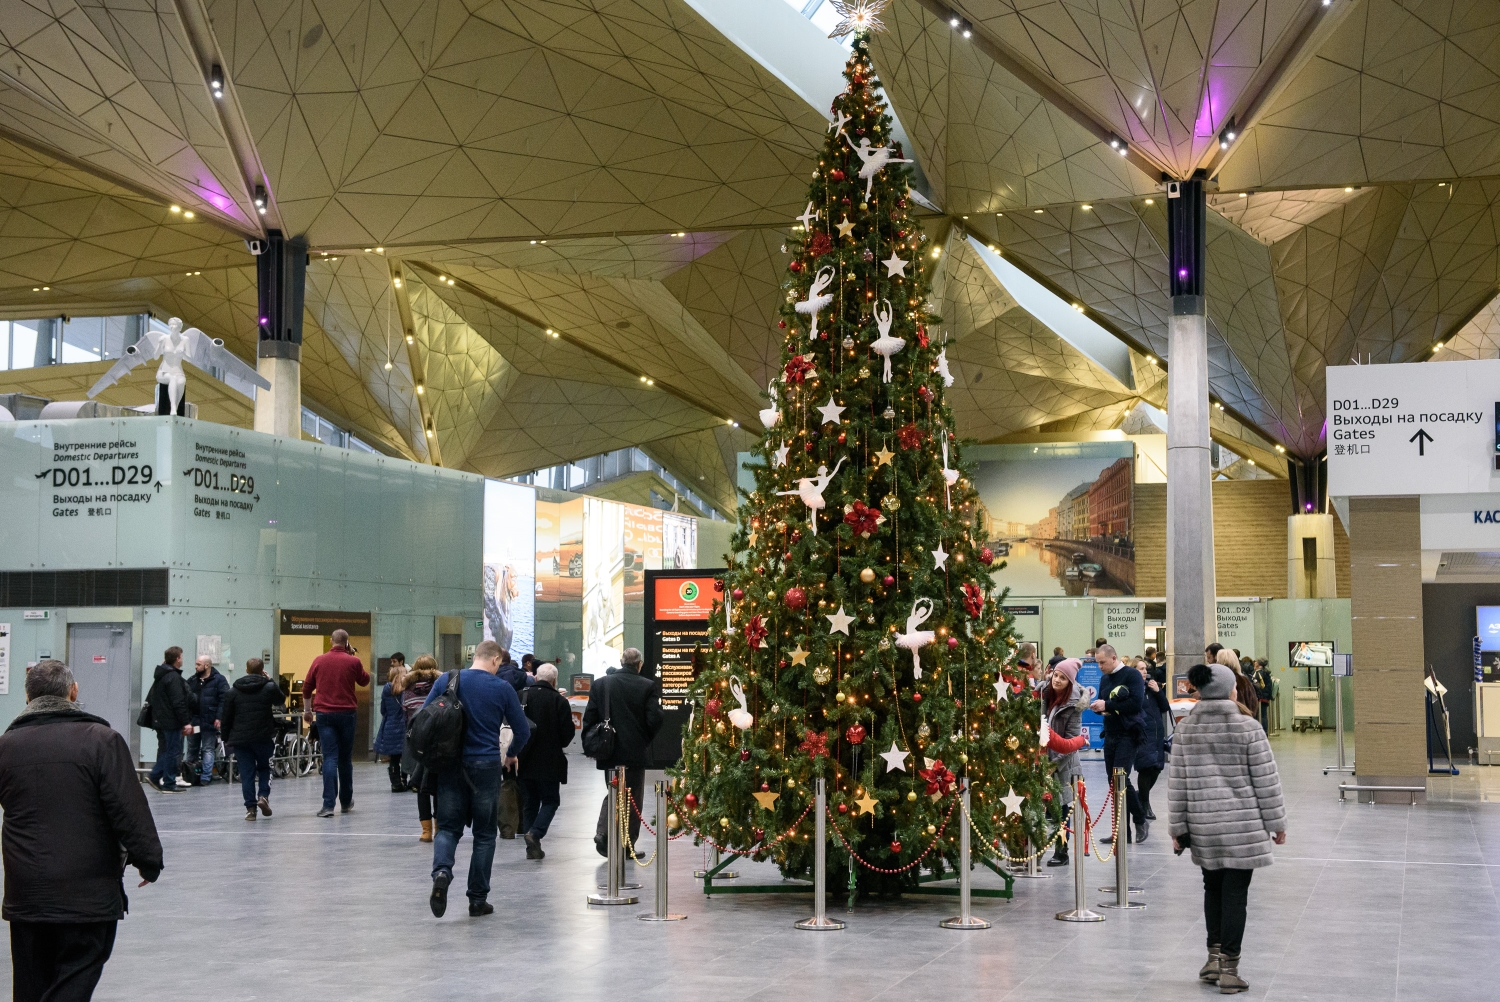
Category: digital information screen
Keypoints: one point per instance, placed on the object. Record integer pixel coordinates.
(1488, 627)
(678, 606)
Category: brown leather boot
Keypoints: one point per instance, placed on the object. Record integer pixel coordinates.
(426, 831)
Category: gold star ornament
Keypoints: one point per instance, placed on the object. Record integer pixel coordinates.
(799, 656)
(857, 15)
(766, 800)
(884, 456)
(866, 805)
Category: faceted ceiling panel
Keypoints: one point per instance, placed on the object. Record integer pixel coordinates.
(1479, 338)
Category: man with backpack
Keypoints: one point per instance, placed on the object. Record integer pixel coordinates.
(628, 703)
(456, 735)
(544, 766)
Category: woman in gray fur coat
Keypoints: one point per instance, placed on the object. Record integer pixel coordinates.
(1225, 805)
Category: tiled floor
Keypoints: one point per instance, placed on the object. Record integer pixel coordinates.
(1368, 903)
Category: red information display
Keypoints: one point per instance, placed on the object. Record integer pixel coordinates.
(680, 600)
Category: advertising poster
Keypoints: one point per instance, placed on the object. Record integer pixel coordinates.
(643, 548)
(509, 584)
(1061, 516)
(603, 585)
(559, 550)
(1089, 676)
(679, 537)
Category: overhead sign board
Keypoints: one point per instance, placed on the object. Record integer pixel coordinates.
(1403, 429)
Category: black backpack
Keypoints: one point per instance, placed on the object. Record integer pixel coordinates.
(435, 738)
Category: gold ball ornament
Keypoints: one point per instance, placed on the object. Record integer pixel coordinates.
(1012, 742)
(822, 674)
(719, 728)
(964, 758)
(790, 783)
(673, 821)
(867, 575)
(932, 829)
(923, 732)
(911, 795)
(839, 697)
(723, 822)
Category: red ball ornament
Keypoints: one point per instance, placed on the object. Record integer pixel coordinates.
(738, 593)
(916, 697)
(986, 556)
(744, 754)
(781, 324)
(896, 847)
(856, 734)
(795, 598)
(887, 580)
(1047, 797)
(837, 174)
(764, 787)
(691, 800)
(842, 438)
(758, 834)
(807, 447)
(712, 708)
(925, 393)
(796, 535)
(718, 643)
(785, 663)
(794, 266)
(843, 808)
(952, 643)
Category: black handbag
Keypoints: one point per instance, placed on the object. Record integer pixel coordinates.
(144, 718)
(599, 739)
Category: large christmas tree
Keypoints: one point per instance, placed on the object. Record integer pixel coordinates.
(861, 638)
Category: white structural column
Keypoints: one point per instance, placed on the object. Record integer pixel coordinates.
(1192, 607)
(278, 411)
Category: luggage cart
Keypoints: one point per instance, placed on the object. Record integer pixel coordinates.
(1307, 703)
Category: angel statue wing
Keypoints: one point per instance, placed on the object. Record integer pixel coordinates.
(144, 350)
(209, 353)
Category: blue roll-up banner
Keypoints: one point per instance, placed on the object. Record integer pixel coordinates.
(1093, 725)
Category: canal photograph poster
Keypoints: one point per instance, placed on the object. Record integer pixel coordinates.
(1059, 516)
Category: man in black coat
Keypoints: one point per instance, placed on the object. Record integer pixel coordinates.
(1122, 704)
(75, 816)
(249, 719)
(544, 766)
(171, 718)
(206, 691)
(632, 702)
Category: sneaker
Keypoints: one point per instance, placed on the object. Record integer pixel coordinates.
(480, 908)
(183, 784)
(326, 812)
(164, 788)
(265, 806)
(250, 814)
(1142, 830)
(534, 847)
(347, 807)
(439, 897)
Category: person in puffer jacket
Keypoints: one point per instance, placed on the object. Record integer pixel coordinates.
(1063, 701)
(1225, 805)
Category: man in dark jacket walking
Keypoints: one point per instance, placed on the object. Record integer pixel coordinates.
(632, 702)
(250, 729)
(1122, 703)
(206, 692)
(544, 766)
(171, 718)
(75, 816)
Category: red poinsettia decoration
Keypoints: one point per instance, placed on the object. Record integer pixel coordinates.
(863, 518)
(819, 245)
(973, 599)
(922, 338)
(798, 368)
(755, 632)
(814, 743)
(910, 436)
(939, 779)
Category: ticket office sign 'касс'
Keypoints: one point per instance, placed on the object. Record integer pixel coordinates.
(1403, 429)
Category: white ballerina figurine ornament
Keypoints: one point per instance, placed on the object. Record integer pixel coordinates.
(816, 299)
(770, 415)
(913, 638)
(875, 158)
(810, 490)
(740, 716)
(950, 477)
(885, 346)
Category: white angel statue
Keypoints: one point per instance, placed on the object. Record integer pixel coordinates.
(770, 415)
(885, 346)
(175, 346)
(914, 638)
(810, 490)
(816, 299)
(875, 158)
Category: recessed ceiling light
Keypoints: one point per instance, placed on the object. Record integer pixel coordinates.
(187, 214)
(1150, 201)
(1347, 190)
(1244, 194)
(1087, 207)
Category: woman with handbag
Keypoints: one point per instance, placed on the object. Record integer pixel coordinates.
(1063, 701)
(392, 734)
(412, 689)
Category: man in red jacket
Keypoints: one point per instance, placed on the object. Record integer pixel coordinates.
(328, 692)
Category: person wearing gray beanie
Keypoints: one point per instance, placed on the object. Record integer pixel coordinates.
(1225, 805)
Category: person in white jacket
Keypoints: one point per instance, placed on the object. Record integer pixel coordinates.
(1225, 806)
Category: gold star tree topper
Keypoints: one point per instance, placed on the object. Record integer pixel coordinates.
(858, 15)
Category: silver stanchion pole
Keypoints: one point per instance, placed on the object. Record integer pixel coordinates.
(659, 912)
(965, 919)
(1033, 869)
(820, 922)
(722, 875)
(616, 861)
(1122, 887)
(1080, 910)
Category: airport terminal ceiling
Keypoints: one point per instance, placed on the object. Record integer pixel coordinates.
(564, 220)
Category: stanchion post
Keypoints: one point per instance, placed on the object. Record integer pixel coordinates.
(725, 875)
(965, 918)
(820, 922)
(1033, 869)
(1122, 887)
(659, 911)
(1080, 910)
(616, 861)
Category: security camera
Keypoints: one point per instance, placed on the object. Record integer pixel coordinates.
(256, 247)
(1174, 189)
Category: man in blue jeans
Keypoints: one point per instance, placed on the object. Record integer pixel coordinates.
(328, 696)
(249, 718)
(469, 793)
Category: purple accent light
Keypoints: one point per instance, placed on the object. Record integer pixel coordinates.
(1182, 273)
(264, 321)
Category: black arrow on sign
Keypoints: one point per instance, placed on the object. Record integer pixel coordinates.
(1421, 438)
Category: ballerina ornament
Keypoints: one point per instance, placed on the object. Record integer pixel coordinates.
(770, 415)
(875, 158)
(914, 638)
(816, 299)
(950, 477)
(810, 490)
(885, 346)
